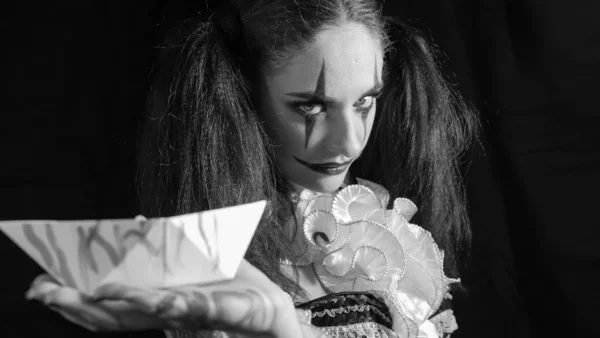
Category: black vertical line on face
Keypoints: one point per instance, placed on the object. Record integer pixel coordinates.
(309, 120)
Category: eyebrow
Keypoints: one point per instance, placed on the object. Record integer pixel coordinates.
(328, 100)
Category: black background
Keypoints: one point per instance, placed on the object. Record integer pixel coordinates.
(75, 78)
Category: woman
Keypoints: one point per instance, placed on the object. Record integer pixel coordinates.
(315, 106)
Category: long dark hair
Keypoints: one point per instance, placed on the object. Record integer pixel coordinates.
(204, 145)
(423, 130)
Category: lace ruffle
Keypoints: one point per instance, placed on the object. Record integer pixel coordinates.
(362, 330)
(355, 244)
(200, 334)
(347, 308)
(444, 322)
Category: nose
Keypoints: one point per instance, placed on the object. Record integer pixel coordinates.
(346, 134)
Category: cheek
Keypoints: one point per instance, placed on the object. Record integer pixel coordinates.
(288, 135)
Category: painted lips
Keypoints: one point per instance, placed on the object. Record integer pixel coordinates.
(326, 168)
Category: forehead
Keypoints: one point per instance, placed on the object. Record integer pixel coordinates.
(351, 55)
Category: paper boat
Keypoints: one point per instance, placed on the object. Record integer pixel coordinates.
(201, 247)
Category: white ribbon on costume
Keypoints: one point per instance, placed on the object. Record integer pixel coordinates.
(427, 330)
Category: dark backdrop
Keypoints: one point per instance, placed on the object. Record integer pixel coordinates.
(76, 75)
(532, 67)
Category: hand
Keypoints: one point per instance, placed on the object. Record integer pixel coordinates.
(248, 304)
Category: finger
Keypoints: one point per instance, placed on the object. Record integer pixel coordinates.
(63, 296)
(44, 278)
(241, 309)
(126, 316)
(140, 218)
(111, 315)
(77, 305)
(256, 311)
(67, 301)
(40, 286)
(152, 301)
(116, 291)
(91, 316)
(248, 309)
(244, 310)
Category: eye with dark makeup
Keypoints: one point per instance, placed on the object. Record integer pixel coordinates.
(315, 107)
(365, 104)
(307, 108)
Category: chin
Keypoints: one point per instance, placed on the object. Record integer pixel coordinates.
(324, 184)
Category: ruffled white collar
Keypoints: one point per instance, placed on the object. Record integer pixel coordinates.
(355, 244)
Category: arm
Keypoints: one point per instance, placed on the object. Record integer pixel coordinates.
(250, 304)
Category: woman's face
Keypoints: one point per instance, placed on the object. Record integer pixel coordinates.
(320, 107)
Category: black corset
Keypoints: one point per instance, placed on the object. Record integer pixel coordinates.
(344, 308)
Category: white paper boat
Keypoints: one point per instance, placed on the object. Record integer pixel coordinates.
(201, 247)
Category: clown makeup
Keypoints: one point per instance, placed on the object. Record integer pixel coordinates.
(320, 107)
